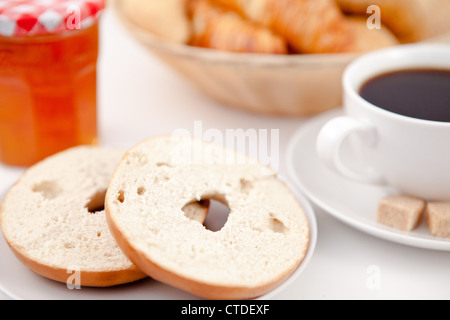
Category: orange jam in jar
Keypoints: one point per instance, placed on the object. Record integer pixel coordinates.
(48, 88)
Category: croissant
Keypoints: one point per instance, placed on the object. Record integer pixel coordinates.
(218, 27)
(164, 18)
(369, 40)
(309, 26)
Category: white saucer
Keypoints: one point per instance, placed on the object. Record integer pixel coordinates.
(18, 283)
(352, 203)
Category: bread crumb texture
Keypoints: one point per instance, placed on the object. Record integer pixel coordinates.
(54, 214)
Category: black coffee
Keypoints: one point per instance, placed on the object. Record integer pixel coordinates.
(416, 93)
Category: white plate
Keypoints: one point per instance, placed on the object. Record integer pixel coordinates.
(352, 203)
(17, 282)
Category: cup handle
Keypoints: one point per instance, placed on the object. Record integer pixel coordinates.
(331, 138)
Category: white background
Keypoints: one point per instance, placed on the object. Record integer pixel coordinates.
(141, 97)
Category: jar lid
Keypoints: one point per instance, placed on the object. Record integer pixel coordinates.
(45, 17)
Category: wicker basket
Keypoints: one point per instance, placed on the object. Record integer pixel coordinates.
(282, 85)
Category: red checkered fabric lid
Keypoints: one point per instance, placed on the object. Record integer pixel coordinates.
(43, 17)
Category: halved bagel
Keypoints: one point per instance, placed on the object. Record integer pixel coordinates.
(53, 219)
(261, 244)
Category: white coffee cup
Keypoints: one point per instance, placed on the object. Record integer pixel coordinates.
(412, 156)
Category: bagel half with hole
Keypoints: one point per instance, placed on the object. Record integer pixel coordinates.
(53, 219)
(262, 243)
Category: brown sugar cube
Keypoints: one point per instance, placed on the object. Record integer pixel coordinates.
(438, 218)
(401, 212)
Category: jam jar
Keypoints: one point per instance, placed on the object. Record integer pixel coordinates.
(48, 77)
